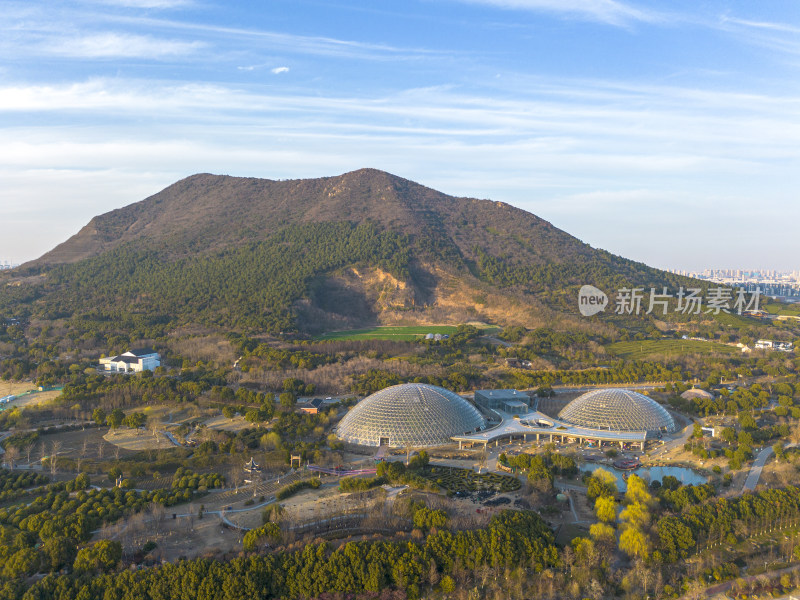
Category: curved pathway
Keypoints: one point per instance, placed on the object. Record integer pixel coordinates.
(758, 465)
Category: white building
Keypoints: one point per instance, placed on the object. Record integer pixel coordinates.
(133, 361)
(773, 345)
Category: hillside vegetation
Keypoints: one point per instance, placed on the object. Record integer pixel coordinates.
(259, 255)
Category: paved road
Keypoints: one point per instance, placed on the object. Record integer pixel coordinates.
(758, 464)
(171, 438)
(755, 471)
(719, 590)
(671, 444)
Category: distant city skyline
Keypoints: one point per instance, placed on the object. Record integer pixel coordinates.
(665, 133)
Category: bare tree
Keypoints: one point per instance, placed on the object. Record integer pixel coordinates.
(41, 453)
(28, 450)
(157, 514)
(116, 452)
(794, 434)
(55, 448)
(482, 460)
(154, 423)
(101, 446)
(12, 454)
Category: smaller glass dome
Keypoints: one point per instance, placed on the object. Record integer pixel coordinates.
(617, 410)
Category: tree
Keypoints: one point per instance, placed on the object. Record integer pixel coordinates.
(637, 491)
(635, 515)
(114, 473)
(605, 507)
(634, 542)
(447, 585)
(59, 552)
(287, 399)
(601, 532)
(268, 532)
(12, 455)
(253, 416)
(601, 483)
(22, 562)
(777, 448)
(115, 419)
(154, 423)
(102, 556)
(228, 412)
(99, 416)
(135, 420)
(729, 434)
(55, 448)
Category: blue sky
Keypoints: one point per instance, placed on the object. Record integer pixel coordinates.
(665, 132)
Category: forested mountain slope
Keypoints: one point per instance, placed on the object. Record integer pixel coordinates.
(312, 254)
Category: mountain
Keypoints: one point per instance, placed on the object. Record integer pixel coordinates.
(361, 248)
(214, 212)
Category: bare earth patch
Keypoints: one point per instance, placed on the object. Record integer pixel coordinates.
(184, 537)
(15, 387)
(221, 423)
(35, 398)
(136, 439)
(8, 388)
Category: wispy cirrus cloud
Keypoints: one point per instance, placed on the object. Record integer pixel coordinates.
(119, 45)
(158, 4)
(780, 37)
(610, 12)
(763, 25)
(319, 45)
(578, 151)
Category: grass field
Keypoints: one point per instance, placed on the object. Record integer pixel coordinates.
(389, 332)
(403, 333)
(782, 309)
(733, 320)
(648, 348)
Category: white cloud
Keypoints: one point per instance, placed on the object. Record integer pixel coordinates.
(782, 27)
(604, 11)
(295, 43)
(279, 70)
(119, 45)
(147, 3)
(550, 148)
(779, 37)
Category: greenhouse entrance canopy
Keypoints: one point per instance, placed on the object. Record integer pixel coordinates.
(536, 425)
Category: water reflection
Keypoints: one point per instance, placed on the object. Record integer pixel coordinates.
(682, 474)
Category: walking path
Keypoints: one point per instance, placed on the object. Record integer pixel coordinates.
(758, 465)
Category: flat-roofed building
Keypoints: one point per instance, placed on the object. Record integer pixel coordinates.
(510, 401)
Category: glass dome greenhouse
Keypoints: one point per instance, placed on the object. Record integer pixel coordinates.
(617, 410)
(413, 415)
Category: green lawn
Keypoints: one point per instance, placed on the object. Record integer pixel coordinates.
(403, 333)
(648, 348)
(774, 308)
(389, 332)
(734, 320)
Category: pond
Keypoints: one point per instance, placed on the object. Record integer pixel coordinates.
(682, 474)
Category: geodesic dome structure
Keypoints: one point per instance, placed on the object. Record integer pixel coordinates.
(617, 410)
(697, 393)
(413, 415)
